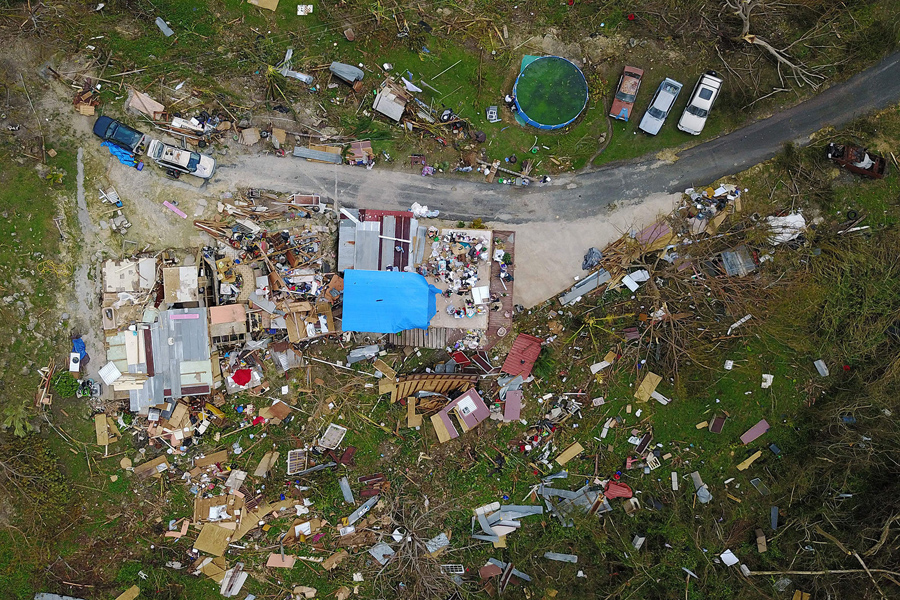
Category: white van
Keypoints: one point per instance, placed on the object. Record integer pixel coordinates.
(701, 102)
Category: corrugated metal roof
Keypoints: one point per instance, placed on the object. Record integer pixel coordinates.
(348, 73)
(368, 245)
(346, 245)
(311, 154)
(588, 284)
(525, 351)
(372, 244)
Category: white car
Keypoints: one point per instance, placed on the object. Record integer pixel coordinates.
(177, 161)
(660, 105)
(702, 98)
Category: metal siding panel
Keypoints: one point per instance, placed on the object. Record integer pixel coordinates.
(346, 245)
(401, 259)
(367, 246)
(310, 154)
(388, 229)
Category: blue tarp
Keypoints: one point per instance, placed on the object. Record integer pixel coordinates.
(79, 347)
(125, 157)
(387, 301)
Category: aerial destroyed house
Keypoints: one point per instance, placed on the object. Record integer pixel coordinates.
(458, 263)
(380, 240)
(387, 302)
(125, 284)
(392, 99)
(469, 410)
(163, 360)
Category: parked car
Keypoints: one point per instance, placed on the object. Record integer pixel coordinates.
(662, 103)
(114, 132)
(702, 99)
(626, 92)
(177, 161)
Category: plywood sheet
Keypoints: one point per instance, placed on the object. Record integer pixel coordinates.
(212, 539)
(647, 387)
(569, 453)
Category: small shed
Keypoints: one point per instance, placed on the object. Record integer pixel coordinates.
(391, 100)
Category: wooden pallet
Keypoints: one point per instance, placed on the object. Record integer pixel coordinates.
(434, 338)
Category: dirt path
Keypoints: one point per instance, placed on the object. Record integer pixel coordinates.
(82, 304)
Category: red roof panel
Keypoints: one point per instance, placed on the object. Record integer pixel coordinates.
(524, 353)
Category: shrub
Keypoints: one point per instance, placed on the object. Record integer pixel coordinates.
(65, 384)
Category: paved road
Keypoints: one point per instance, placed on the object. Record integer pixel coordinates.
(573, 197)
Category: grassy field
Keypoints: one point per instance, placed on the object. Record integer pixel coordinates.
(31, 268)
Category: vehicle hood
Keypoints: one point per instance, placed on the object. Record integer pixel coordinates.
(650, 124)
(691, 123)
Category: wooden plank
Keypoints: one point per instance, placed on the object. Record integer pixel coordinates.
(746, 464)
(213, 539)
(412, 419)
(101, 430)
(647, 387)
(382, 366)
(152, 468)
(440, 429)
(569, 453)
(114, 434)
(216, 457)
(265, 465)
(129, 594)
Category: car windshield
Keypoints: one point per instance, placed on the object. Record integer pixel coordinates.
(193, 162)
(124, 135)
(706, 93)
(623, 97)
(696, 110)
(656, 113)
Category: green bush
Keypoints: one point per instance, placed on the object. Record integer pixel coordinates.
(65, 384)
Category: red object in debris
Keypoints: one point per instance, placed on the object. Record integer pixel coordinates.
(524, 353)
(258, 420)
(631, 16)
(241, 376)
(846, 367)
(615, 489)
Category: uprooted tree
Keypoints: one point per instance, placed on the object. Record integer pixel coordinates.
(796, 70)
